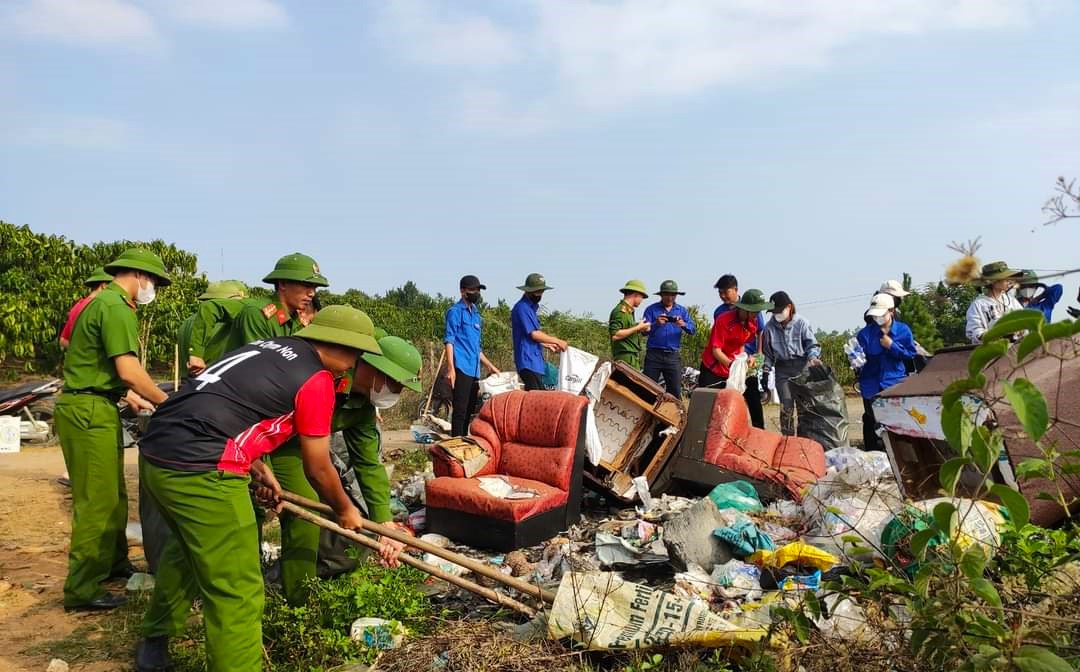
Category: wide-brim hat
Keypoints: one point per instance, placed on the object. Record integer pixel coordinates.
(998, 270)
(140, 259)
(669, 287)
(1029, 278)
(224, 289)
(753, 300)
(342, 325)
(97, 277)
(634, 286)
(297, 268)
(535, 282)
(399, 360)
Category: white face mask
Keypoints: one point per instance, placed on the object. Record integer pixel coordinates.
(881, 320)
(145, 294)
(383, 398)
(783, 315)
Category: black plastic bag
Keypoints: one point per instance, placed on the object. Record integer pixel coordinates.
(822, 409)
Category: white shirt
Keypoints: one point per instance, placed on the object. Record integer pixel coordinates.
(984, 311)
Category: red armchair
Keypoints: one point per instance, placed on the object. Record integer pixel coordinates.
(537, 441)
(719, 445)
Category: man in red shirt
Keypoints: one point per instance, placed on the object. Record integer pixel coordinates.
(96, 282)
(202, 449)
(730, 333)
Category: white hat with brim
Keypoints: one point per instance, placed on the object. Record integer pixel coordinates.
(893, 288)
(881, 304)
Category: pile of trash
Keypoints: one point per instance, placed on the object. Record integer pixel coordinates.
(709, 571)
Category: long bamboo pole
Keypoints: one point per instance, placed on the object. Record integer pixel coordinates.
(486, 593)
(409, 540)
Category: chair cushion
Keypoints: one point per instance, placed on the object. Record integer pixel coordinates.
(465, 494)
(729, 424)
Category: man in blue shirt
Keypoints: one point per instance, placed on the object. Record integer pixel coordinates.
(669, 320)
(463, 353)
(728, 286)
(529, 341)
(1038, 296)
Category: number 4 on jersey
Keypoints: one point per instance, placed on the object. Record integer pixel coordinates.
(213, 373)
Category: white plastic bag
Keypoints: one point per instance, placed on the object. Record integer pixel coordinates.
(575, 369)
(594, 448)
(736, 379)
(497, 383)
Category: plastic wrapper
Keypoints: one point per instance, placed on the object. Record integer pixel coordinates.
(821, 406)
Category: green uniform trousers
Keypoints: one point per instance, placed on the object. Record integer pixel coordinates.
(91, 438)
(299, 538)
(213, 554)
(631, 359)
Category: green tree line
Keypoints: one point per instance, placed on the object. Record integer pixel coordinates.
(41, 277)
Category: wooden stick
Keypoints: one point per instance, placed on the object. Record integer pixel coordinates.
(438, 367)
(456, 558)
(176, 367)
(486, 593)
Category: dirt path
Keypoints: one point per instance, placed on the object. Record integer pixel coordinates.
(35, 523)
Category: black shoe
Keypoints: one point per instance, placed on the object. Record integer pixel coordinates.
(152, 654)
(124, 572)
(106, 601)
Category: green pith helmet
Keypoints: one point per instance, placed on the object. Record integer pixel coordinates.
(343, 325)
(97, 277)
(998, 270)
(1028, 278)
(298, 268)
(634, 286)
(224, 289)
(535, 282)
(380, 333)
(140, 259)
(753, 300)
(670, 287)
(399, 360)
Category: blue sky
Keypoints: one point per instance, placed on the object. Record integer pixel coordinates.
(819, 147)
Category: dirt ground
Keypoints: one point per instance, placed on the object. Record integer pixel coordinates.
(35, 523)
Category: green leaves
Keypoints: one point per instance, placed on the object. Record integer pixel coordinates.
(920, 540)
(985, 354)
(1010, 323)
(973, 562)
(1038, 659)
(943, 516)
(1029, 405)
(986, 591)
(1014, 501)
(950, 473)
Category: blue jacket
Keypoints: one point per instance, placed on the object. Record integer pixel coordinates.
(667, 336)
(1046, 301)
(884, 366)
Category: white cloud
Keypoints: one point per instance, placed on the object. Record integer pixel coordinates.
(229, 14)
(437, 35)
(599, 55)
(71, 132)
(94, 23)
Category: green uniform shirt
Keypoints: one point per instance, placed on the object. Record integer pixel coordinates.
(628, 349)
(183, 340)
(260, 319)
(209, 330)
(354, 417)
(107, 328)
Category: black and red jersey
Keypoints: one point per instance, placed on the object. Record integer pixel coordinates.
(241, 407)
